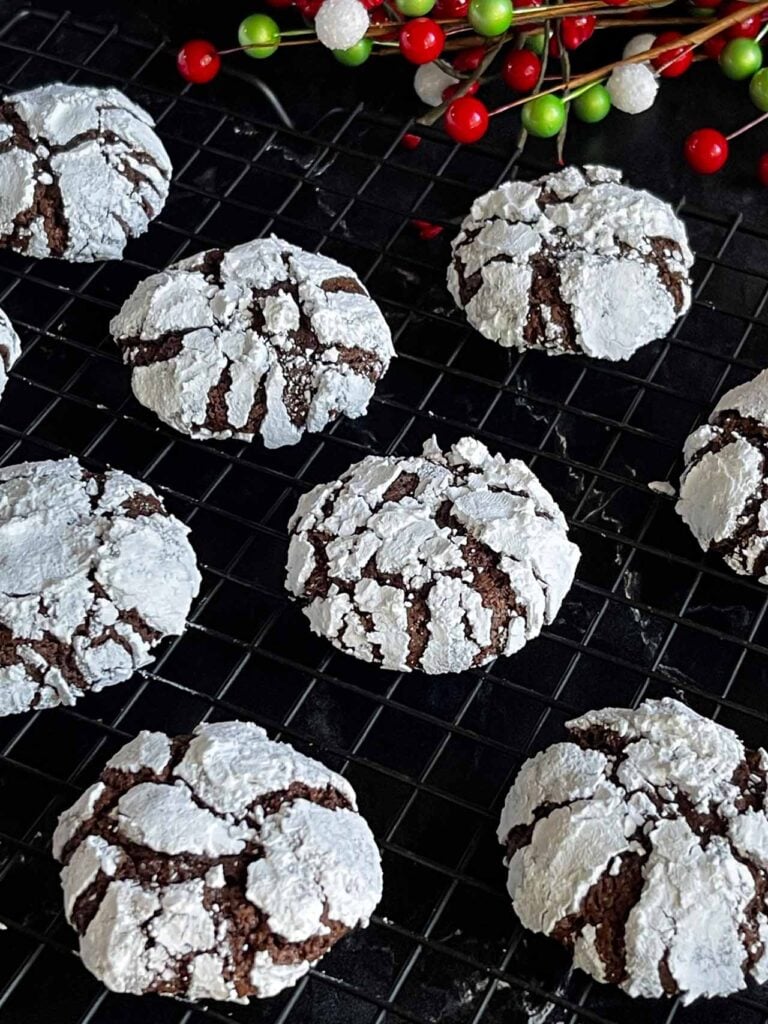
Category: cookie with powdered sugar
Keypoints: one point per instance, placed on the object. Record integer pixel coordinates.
(574, 262)
(81, 172)
(438, 562)
(216, 866)
(93, 574)
(10, 349)
(263, 339)
(642, 845)
(724, 486)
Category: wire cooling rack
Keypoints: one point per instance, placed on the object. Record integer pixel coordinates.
(430, 757)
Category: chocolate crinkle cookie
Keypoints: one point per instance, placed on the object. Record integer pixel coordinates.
(642, 845)
(437, 562)
(724, 487)
(10, 349)
(216, 866)
(572, 262)
(81, 172)
(93, 574)
(263, 339)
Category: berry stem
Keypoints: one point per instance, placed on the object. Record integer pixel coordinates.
(694, 39)
(746, 128)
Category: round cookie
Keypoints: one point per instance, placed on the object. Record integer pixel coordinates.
(724, 486)
(264, 338)
(93, 574)
(216, 866)
(10, 349)
(642, 845)
(81, 172)
(572, 262)
(438, 562)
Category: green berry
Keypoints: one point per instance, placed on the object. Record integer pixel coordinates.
(758, 89)
(414, 8)
(593, 104)
(355, 55)
(544, 116)
(536, 41)
(740, 58)
(259, 34)
(490, 17)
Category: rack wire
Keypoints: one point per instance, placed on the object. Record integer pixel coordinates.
(431, 758)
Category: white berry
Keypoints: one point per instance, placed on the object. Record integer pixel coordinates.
(341, 23)
(430, 82)
(632, 88)
(639, 44)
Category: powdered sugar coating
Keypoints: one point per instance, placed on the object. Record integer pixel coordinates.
(93, 574)
(264, 338)
(218, 866)
(643, 845)
(575, 261)
(439, 562)
(724, 486)
(10, 349)
(81, 172)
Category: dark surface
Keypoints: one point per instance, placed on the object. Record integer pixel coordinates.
(430, 757)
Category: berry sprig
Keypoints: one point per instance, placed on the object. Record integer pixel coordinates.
(454, 43)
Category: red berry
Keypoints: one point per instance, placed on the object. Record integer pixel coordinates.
(615, 3)
(762, 170)
(198, 61)
(529, 3)
(369, 5)
(675, 61)
(746, 29)
(280, 3)
(521, 70)
(410, 140)
(466, 120)
(714, 47)
(421, 40)
(469, 60)
(451, 8)
(706, 150)
(426, 229)
(309, 8)
(450, 90)
(576, 30)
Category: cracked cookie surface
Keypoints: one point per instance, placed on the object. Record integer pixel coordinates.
(93, 574)
(724, 486)
(221, 865)
(439, 562)
(642, 845)
(81, 172)
(10, 349)
(262, 339)
(574, 262)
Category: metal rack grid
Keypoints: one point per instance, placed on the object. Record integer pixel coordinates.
(430, 758)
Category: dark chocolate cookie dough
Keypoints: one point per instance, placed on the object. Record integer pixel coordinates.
(724, 487)
(215, 866)
(264, 338)
(642, 845)
(573, 262)
(81, 172)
